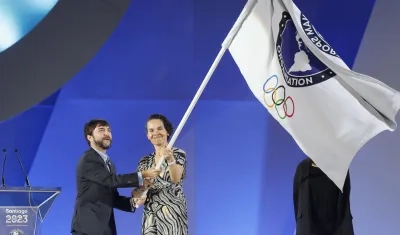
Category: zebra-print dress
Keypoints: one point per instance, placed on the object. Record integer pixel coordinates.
(165, 211)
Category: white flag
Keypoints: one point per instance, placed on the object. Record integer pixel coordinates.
(329, 110)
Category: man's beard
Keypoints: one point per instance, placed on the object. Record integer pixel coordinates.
(102, 144)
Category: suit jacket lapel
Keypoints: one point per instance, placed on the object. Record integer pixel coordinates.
(99, 158)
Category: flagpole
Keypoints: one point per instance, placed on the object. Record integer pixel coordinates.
(225, 45)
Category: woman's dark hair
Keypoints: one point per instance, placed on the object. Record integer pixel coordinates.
(167, 124)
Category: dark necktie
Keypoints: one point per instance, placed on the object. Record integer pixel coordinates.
(108, 163)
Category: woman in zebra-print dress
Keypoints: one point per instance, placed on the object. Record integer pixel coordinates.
(165, 211)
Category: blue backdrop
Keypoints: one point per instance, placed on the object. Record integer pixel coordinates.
(240, 161)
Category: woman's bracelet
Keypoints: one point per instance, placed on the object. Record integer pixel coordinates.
(171, 163)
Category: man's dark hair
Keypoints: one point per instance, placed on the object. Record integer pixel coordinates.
(91, 125)
(167, 124)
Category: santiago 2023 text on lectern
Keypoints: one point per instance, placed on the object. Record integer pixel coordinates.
(23, 209)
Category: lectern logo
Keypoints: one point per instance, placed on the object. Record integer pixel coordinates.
(16, 232)
(16, 211)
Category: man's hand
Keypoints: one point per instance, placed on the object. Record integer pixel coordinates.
(139, 201)
(147, 183)
(136, 192)
(150, 173)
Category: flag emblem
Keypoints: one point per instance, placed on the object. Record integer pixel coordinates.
(275, 97)
(300, 67)
(315, 37)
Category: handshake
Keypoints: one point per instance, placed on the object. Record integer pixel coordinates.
(148, 176)
(148, 179)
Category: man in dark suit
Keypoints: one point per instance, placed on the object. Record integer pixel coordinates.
(320, 208)
(97, 184)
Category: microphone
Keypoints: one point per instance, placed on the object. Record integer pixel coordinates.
(3, 183)
(22, 168)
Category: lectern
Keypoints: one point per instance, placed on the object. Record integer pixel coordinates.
(23, 209)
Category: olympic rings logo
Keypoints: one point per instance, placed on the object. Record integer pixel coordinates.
(275, 97)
